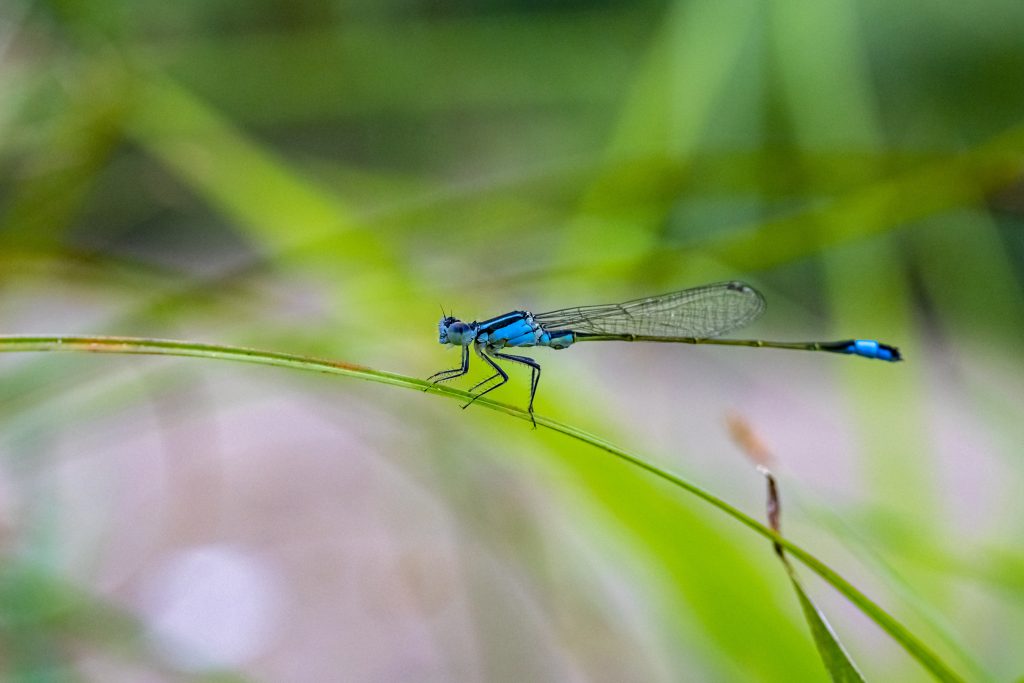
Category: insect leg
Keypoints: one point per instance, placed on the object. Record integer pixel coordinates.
(534, 376)
(446, 375)
(497, 369)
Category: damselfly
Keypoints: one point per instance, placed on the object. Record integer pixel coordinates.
(690, 316)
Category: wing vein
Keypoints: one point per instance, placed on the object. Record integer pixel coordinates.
(706, 311)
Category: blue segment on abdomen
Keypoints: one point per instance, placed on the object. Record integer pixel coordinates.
(559, 339)
(869, 348)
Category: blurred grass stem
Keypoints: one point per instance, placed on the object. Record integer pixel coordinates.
(164, 347)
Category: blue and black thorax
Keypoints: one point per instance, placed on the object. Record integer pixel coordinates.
(518, 328)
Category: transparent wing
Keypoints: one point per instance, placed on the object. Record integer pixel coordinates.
(706, 311)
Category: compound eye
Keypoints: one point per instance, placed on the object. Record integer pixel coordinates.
(458, 328)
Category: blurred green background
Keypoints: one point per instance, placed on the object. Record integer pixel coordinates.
(317, 176)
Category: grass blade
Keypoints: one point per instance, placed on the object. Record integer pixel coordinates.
(840, 666)
(163, 347)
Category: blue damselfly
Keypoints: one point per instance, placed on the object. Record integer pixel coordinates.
(690, 316)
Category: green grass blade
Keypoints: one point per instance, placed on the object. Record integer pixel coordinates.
(162, 347)
(840, 667)
(837, 661)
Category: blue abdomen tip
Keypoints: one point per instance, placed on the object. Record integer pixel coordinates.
(869, 348)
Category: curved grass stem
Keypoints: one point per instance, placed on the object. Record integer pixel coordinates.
(164, 347)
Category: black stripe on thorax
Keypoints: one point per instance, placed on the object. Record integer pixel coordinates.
(489, 326)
